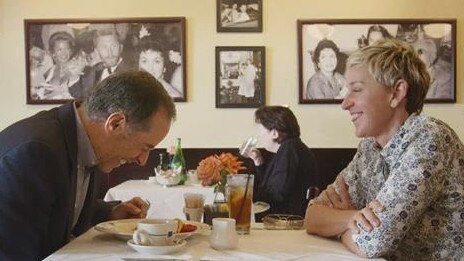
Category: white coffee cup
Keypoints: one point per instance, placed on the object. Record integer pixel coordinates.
(155, 232)
(223, 235)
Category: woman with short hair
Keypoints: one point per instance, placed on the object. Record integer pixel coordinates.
(283, 178)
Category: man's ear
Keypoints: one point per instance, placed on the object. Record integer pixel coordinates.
(116, 122)
(399, 93)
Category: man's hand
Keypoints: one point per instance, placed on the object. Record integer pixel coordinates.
(342, 199)
(134, 208)
(366, 218)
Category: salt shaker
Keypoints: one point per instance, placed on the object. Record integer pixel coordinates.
(223, 235)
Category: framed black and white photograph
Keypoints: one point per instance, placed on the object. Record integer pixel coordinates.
(65, 58)
(239, 15)
(240, 78)
(324, 45)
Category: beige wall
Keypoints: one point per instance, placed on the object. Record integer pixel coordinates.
(199, 123)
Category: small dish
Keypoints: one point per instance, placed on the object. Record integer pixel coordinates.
(283, 221)
(168, 180)
(200, 227)
(259, 207)
(158, 250)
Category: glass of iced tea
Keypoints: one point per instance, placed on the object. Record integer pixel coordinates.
(239, 193)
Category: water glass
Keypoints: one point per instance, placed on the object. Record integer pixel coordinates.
(246, 146)
(223, 236)
(193, 209)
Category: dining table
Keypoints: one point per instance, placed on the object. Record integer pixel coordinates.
(165, 201)
(261, 244)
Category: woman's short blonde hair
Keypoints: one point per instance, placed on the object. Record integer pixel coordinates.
(390, 60)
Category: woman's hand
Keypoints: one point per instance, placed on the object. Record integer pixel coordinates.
(340, 200)
(366, 218)
(256, 156)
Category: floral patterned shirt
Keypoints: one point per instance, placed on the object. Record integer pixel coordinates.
(419, 178)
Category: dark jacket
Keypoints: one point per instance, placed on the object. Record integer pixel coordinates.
(38, 167)
(285, 176)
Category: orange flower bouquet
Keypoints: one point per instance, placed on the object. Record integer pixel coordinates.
(213, 170)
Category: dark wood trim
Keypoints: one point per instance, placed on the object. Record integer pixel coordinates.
(330, 161)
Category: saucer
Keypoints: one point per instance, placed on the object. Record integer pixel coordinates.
(259, 207)
(158, 250)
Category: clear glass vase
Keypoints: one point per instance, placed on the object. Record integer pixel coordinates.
(220, 193)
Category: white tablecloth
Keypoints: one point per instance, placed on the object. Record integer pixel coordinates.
(165, 202)
(265, 245)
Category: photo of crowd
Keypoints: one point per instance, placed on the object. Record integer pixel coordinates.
(66, 59)
(325, 47)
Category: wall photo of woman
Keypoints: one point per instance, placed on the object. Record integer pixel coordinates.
(152, 58)
(327, 82)
(54, 82)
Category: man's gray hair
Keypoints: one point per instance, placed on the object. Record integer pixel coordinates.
(137, 94)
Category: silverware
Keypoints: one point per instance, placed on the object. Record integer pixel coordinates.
(145, 208)
(148, 203)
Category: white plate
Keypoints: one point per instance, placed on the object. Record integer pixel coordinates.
(124, 228)
(158, 250)
(259, 207)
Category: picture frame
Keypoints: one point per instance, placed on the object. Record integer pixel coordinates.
(65, 58)
(240, 76)
(239, 16)
(434, 39)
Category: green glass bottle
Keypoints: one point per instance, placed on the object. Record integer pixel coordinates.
(178, 163)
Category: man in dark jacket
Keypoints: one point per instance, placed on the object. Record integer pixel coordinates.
(49, 163)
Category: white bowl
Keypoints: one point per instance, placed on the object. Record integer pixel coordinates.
(168, 180)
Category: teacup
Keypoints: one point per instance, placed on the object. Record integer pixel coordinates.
(155, 232)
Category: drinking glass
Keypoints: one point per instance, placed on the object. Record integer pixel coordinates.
(246, 146)
(239, 191)
(223, 236)
(194, 203)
